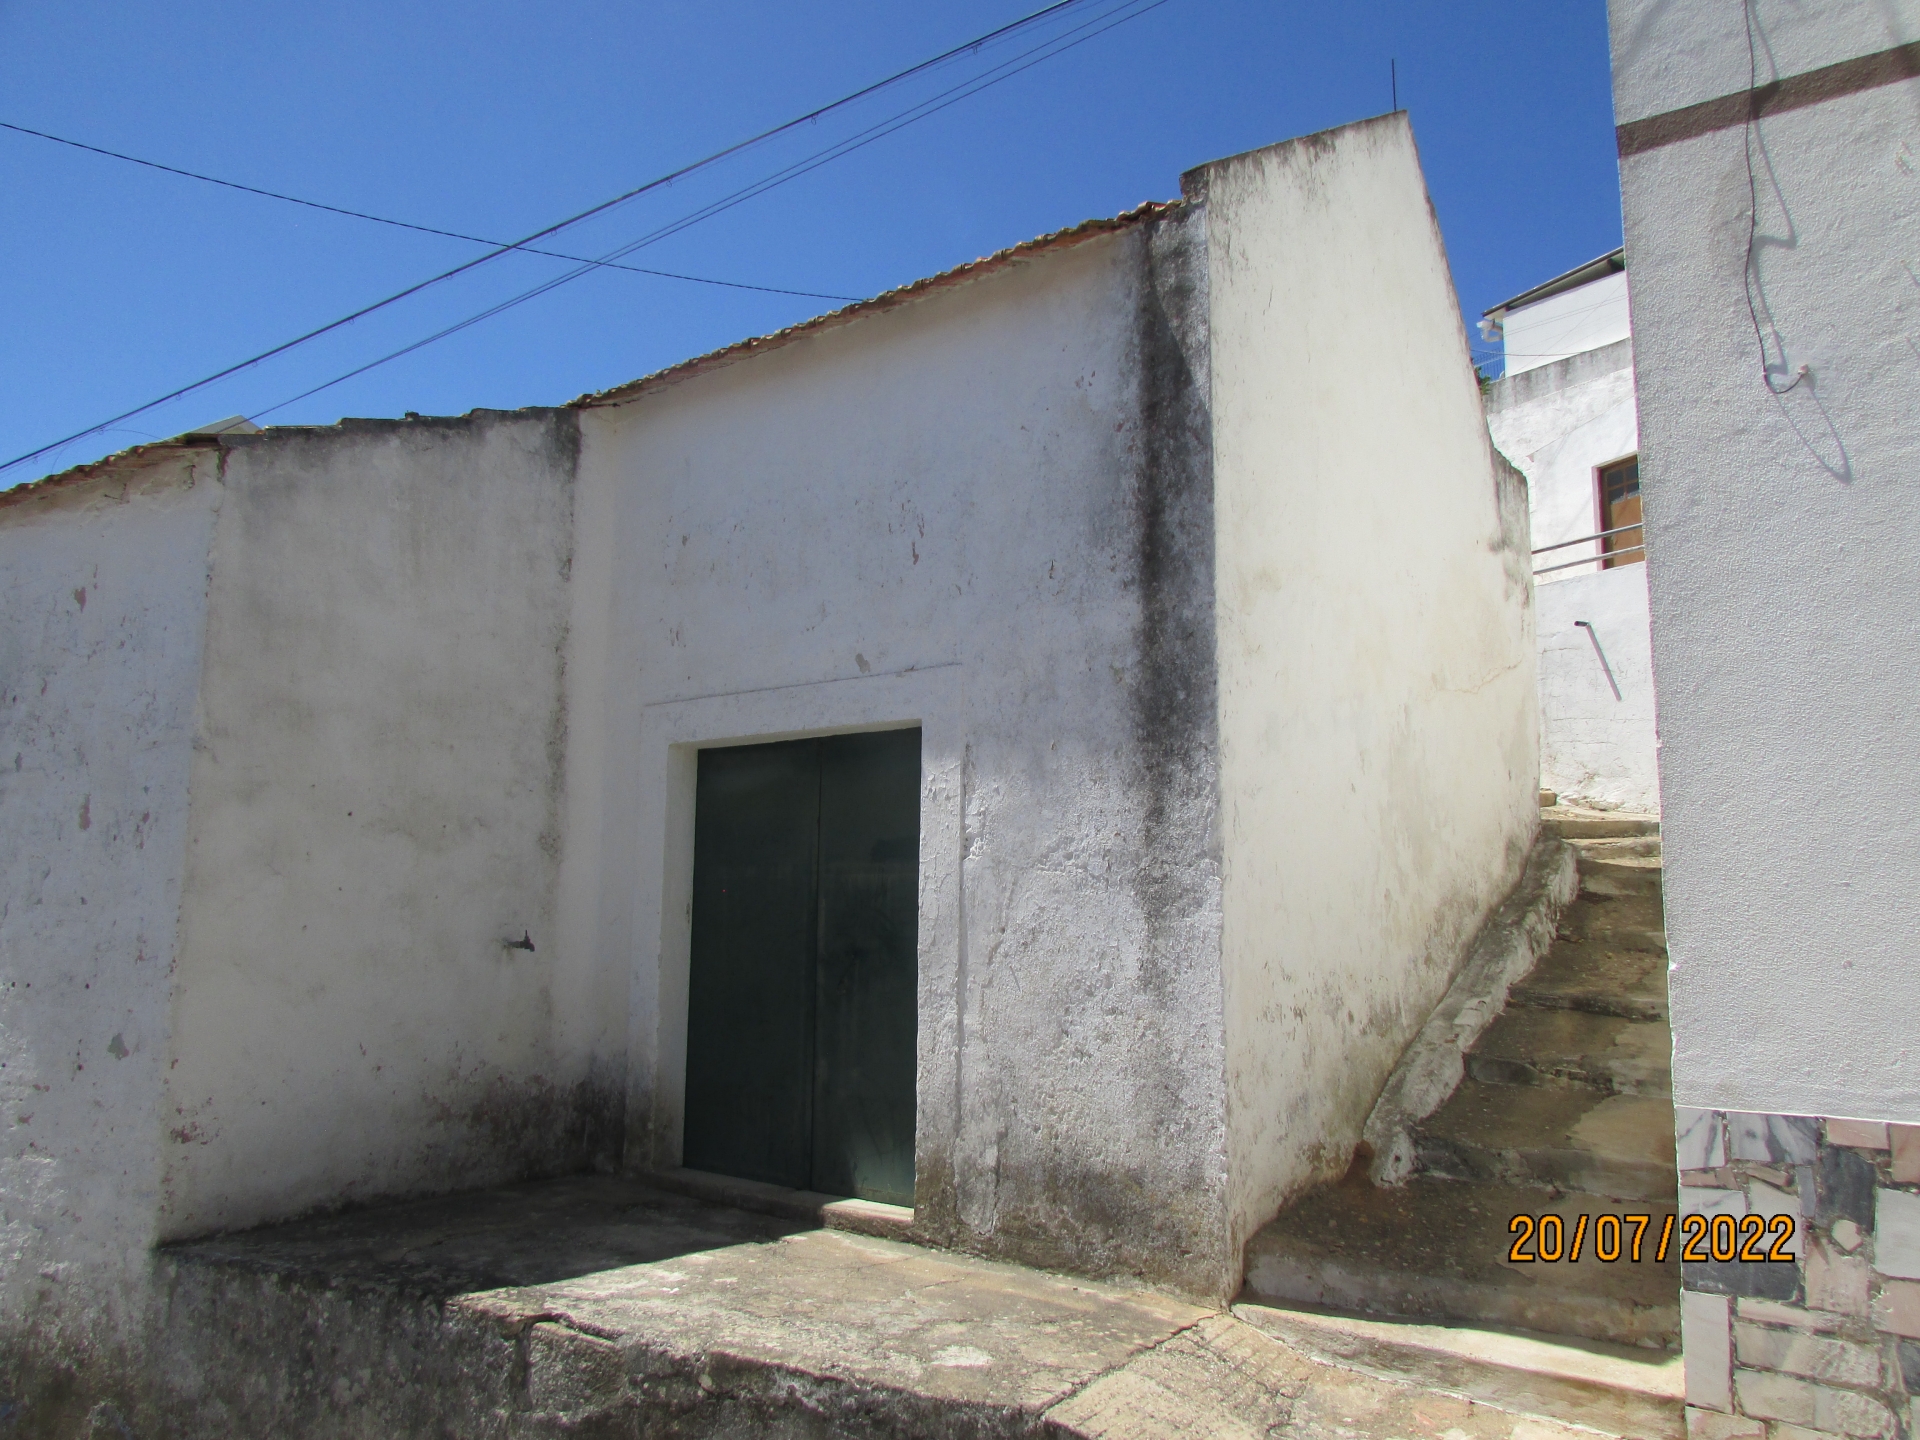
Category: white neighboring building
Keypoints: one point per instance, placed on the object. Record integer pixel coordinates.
(1564, 415)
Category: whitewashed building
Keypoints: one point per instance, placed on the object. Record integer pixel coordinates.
(1770, 165)
(1563, 412)
(384, 802)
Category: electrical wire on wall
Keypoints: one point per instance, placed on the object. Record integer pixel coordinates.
(1750, 276)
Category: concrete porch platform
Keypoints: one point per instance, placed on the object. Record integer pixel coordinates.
(603, 1306)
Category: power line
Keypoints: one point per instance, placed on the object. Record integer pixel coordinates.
(620, 199)
(860, 140)
(405, 224)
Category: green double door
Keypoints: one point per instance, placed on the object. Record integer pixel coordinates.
(801, 1004)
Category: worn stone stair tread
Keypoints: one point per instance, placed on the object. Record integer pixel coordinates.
(1642, 847)
(1617, 1145)
(1574, 824)
(1529, 1046)
(1620, 874)
(1437, 1249)
(1599, 978)
(1614, 1389)
(1629, 922)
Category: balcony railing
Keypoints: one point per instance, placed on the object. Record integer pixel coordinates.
(1600, 559)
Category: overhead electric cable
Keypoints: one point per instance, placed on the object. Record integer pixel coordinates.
(406, 224)
(833, 152)
(494, 254)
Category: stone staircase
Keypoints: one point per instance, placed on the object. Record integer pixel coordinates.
(1564, 1110)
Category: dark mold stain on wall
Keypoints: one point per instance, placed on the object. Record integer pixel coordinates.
(1174, 715)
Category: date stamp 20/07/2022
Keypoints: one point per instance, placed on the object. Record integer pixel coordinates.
(1749, 1238)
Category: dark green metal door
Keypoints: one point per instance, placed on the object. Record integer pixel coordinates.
(801, 1006)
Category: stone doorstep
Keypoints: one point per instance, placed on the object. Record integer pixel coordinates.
(887, 1339)
(1611, 1388)
(830, 1212)
(739, 1327)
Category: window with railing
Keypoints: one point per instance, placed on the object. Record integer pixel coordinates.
(1621, 538)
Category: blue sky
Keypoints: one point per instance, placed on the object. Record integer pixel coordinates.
(496, 117)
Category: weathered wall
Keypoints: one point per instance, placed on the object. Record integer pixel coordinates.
(1377, 711)
(102, 610)
(1597, 741)
(982, 511)
(1781, 530)
(1558, 424)
(377, 808)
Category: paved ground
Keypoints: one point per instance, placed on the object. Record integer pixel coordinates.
(599, 1306)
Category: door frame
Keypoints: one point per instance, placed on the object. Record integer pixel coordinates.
(672, 733)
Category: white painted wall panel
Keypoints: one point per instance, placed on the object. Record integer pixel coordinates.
(1782, 529)
(102, 613)
(377, 808)
(1378, 725)
(1597, 741)
(1566, 324)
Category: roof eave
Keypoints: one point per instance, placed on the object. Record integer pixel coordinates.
(887, 300)
(1611, 263)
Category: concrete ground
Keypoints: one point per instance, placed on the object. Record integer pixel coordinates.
(601, 1306)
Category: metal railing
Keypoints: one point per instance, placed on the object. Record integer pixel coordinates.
(1600, 559)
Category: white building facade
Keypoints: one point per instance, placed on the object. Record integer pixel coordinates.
(1770, 164)
(1564, 414)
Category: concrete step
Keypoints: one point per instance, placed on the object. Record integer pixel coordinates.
(1436, 1249)
(1619, 875)
(1533, 1046)
(1598, 979)
(1573, 824)
(1614, 1145)
(1612, 1389)
(829, 1212)
(1642, 846)
(604, 1306)
(1626, 922)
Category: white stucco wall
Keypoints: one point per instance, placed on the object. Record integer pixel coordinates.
(1570, 323)
(1376, 654)
(975, 511)
(102, 607)
(1558, 425)
(1782, 530)
(377, 807)
(1597, 740)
